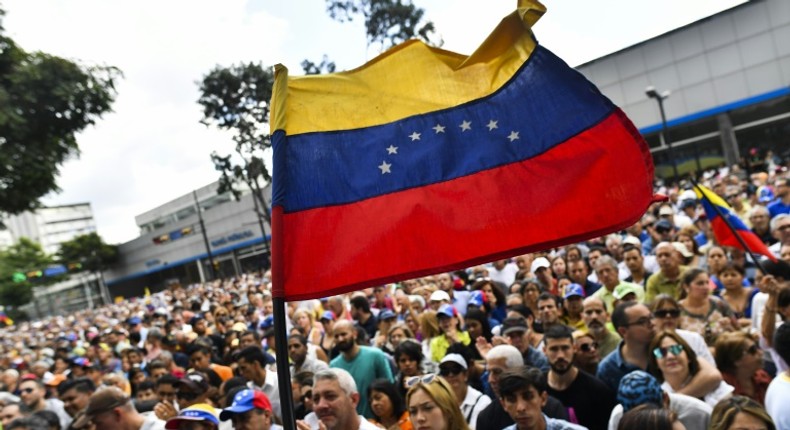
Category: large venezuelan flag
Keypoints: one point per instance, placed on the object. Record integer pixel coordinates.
(425, 160)
(725, 235)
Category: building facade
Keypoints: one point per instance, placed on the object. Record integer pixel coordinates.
(729, 78)
(50, 226)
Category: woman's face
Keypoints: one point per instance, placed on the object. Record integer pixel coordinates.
(673, 359)
(424, 413)
(688, 241)
(531, 293)
(397, 336)
(667, 317)
(411, 322)
(447, 324)
(488, 290)
(558, 267)
(752, 358)
(699, 287)
(381, 404)
(303, 321)
(732, 279)
(474, 328)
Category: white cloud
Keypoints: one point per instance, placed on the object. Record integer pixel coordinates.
(153, 149)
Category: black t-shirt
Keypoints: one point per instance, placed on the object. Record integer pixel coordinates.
(495, 417)
(589, 398)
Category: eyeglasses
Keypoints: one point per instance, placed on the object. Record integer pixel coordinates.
(644, 321)
(783, 228)
(754, 349)
(450, 370)
(661, 352)
(587, 347)
(187, 396)
(667, 313)
(424, 379)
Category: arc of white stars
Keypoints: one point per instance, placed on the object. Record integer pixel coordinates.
(392, 150)
(414, 136)
(492, 125)
(513, 136)
(438, 128)
(466, 125)
(385, 167)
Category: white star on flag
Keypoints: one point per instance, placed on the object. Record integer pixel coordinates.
(392, 150)
(385, 167)
(415, 136)
(513, 136)
(466, 125)
(438, 128)
(492, 125)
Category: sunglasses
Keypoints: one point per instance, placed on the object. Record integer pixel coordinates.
(667, 313)
(424, 379)
(450, 370)
(587, 347)
(662, 352)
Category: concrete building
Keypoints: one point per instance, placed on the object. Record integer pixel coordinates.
(50, 226)
(729, 77)
(171, 246)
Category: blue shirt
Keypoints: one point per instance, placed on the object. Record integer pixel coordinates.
(613, 367)
(553, 424)
(777, 207)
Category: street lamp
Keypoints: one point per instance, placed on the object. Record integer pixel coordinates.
(653, 94)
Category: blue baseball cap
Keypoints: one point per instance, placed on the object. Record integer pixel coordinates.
(476, 298)
(637, 388)
(446, 311)
(244, 401)
(198, 412)
(574, 290)
(328, 315)
(386, 314)
(267, 322)
(134, 321)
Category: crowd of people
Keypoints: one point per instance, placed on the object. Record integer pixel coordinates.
(654, 327)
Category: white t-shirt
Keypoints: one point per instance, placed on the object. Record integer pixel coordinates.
(473, 403)
(776, 407)
(723, 390)
(697, 344)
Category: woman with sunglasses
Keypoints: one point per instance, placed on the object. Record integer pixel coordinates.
(674, 363)
(740, 360)
(432, 405)
(455, 369)
(585, 352)
(667, 312)
(701, 313)
(386, 402)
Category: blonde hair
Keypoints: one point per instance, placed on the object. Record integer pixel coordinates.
(442, 394)
(299, 312)
(429, 324)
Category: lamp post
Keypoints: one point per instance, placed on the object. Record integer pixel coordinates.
(653, 94)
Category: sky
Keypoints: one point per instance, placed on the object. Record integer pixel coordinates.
(152, 147)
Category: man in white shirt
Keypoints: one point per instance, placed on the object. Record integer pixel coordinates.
(335, 398)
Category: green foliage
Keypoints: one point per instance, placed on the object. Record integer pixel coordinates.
(44, 102)
(25, 256)
(387, 22)
(89, 250)
(325, 66)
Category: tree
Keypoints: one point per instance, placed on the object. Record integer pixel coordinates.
(25, 256)
(387, 22)
(44, 102)
(88, 250)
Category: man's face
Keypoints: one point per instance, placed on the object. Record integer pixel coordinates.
(607, 275)
(249, 370)
(559, 352)
(593, 256)
(166, 393)
(31, 393)
(332, 405)
(135, 358)
(257, 419)
(760, 221)
(784, 253)
(445, 282)
(247, 340)
(634, 260)
(595, 316)
(345, 336)
(578, 272)
(525, 407)
(199, 360)
(549, 313)
(586, 350)
(782, 231)
(200, 327)
(495, 368)
(74, 401)
(640, 324)
(407, 365)
(519, 339)
(144, 395)
(297, 351)
(158, 372)
(9, 413)
(574, 305)
(667, 258)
